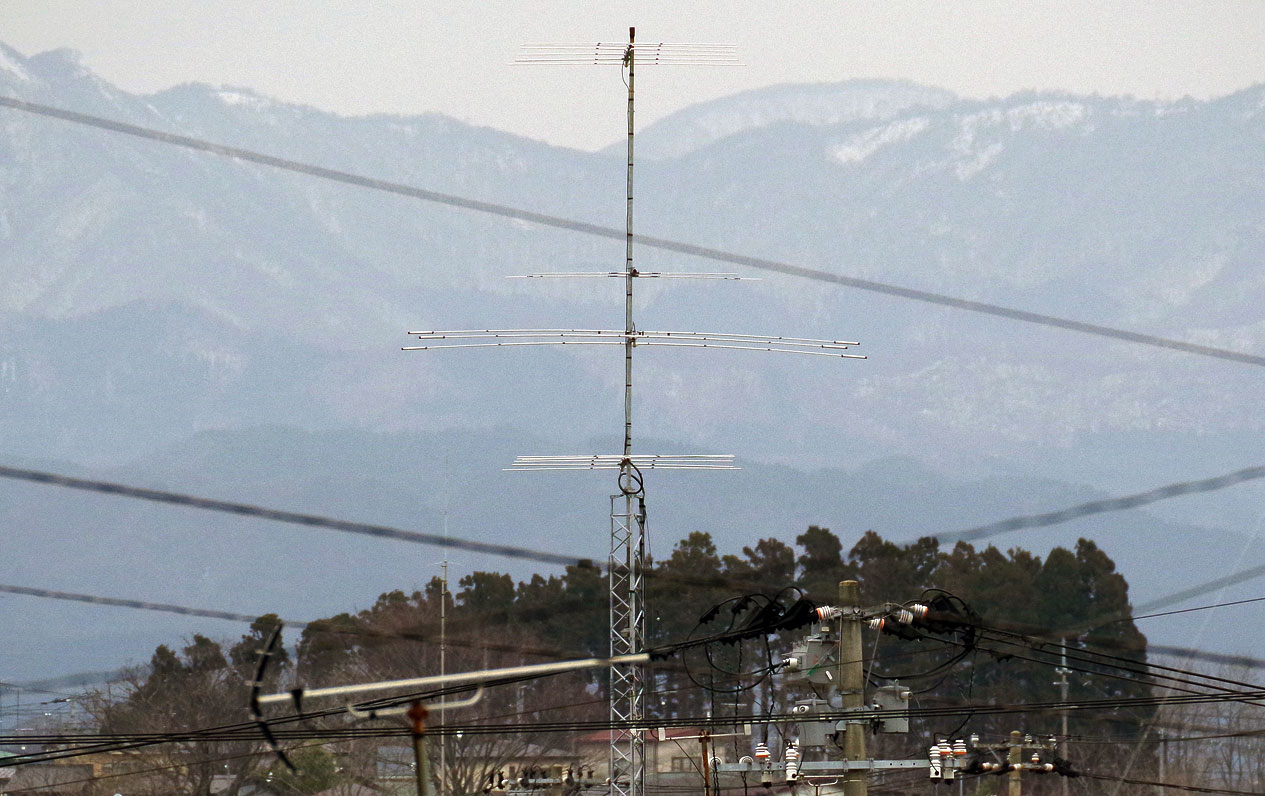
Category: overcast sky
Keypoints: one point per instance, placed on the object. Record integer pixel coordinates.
(405, 56)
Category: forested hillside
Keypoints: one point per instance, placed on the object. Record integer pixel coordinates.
(1019, 609)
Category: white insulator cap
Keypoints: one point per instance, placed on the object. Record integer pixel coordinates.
(791, 758)
(761, 751)
(876, 623)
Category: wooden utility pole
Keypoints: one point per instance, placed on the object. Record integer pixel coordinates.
(1062, 683)
(851, 685)
(1014, 780)
(707, 764)
(421, 765)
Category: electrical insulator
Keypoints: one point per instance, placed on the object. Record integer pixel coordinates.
(761, 751)
(801, 709)
(974, 739)
(946, 756)
(936, 768)
(746, 760)
(792, 664)
(1036, 758)
(792, 763)
(919, 610)
(959, 748)
(876, 623)
(904, 616)
(827, 612)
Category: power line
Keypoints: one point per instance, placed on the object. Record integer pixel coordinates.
(511, 551)
(1232, 579)
(121, 741)
(136, 604)
(311, 520)
(1200, 608)
(291, 517)
(1108, 505)
(1169, 785)
(663, 244)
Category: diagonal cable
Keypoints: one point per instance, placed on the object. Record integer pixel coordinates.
(664, 244)
(1103, 506)
(292, 517)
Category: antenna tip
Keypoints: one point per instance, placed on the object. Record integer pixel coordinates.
(632, 34)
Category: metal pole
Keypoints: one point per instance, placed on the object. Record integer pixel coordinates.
(628, 259)
(851, 684)
(628, 540)
(1063, 672)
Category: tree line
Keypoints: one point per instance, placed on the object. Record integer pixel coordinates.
(1024, 606)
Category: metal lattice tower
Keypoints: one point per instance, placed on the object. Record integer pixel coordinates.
(626, 562)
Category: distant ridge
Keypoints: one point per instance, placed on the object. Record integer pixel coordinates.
(817, 104)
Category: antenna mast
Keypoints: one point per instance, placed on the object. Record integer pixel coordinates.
(627, 559)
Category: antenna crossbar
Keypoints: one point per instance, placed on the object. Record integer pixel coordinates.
(637, 274)
(639, 337)
(616, 54)
(686, 461)
(500, 338)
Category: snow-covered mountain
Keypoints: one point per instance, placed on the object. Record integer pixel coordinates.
(159, 299)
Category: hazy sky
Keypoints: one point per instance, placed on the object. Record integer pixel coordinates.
(405, 56)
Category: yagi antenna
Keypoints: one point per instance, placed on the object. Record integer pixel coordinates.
(628, 508)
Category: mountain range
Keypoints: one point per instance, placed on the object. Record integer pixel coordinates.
(180, 320)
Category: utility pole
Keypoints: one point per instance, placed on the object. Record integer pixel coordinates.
(851, 685)
(1014, 779)
(1063, 672)
(443, 657)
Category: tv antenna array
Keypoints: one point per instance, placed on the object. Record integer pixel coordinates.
(626, 563)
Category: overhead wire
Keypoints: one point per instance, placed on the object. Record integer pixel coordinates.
(283, 516)
(1168, 785)
(467, 729)
(1093, 507)
(541, 556)
(703, 252)
(1094, 655)
(1198, 608)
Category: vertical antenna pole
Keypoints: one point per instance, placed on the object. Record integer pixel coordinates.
(628, 258)
(628, 540)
